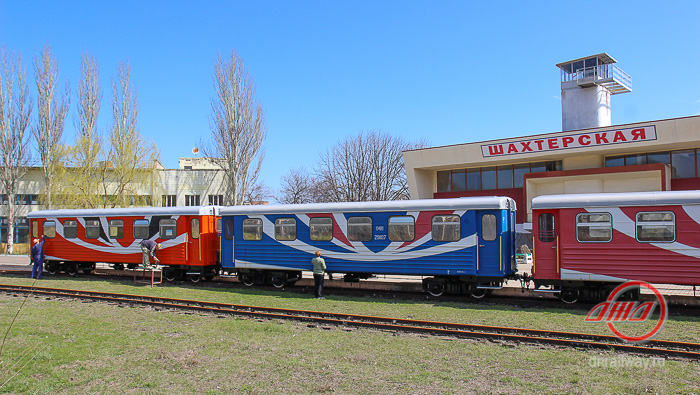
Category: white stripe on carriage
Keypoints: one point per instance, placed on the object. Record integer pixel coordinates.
(624, 224)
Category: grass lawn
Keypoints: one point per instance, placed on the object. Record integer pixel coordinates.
(62, 346)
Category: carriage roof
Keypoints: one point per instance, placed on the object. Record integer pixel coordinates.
(471, 203)
(622, 199)
(132, 211)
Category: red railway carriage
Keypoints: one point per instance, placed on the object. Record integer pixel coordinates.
(77, 239)
(586, 244)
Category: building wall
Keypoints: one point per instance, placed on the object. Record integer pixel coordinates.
(202, 180)
(423, 165)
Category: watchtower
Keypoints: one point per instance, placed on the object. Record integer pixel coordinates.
(586, 86)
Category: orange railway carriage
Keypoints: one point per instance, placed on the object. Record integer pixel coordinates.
(77, 239)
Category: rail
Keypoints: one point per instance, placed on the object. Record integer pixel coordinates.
(474, 331)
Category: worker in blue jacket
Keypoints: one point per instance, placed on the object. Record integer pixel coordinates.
(38, 257)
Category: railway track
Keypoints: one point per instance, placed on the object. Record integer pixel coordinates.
(472, 331)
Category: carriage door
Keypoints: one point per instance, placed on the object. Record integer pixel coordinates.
(546, 244)
(194, 241)
(489, 246)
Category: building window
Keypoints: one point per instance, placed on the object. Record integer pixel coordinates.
(169, 200)
(683, 164)
(168, 228)
(141, 229)
(191, 200)
(458, 181)
(473, 179)
(443, 181)
(519, 172)
(658, 226)
(489, 178)
(116, 228)
(216, 200)
(285, 229)
(359, 228)
(446, 228)
(70, 229)
(593, 227)
(402, 228)
(252, 229)
(321, 228)
(92, 229)
(505, 177)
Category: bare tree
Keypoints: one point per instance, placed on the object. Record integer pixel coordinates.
(365, 167)
(258, 194)
(238, 128)
(131, 162)
(52, 107)
(298, 186)
(15, 112)
(85, 160)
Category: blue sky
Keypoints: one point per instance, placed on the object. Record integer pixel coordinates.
(449, 72)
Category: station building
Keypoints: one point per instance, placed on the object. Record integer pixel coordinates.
(589, 155)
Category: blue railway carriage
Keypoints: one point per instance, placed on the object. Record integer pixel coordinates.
(463, 245)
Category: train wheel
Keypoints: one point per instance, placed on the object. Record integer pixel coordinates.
(480, 293)
(279, 281)
(72, 269)
(569, 295)
(118, 266)
(246, 279)
(195, 278)
(170, 275)
(436, 289)
(52, 268)
(87, 271)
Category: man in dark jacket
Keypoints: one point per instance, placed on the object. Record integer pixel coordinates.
(148, 248)
(38, 257)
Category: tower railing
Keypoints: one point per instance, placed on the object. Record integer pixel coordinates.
(608, 75)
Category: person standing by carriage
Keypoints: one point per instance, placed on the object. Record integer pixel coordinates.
(319, 269)
(38, 257)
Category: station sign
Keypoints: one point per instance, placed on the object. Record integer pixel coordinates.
(580, 140)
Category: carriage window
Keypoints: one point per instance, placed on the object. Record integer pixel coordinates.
(285, 229)
(489, 227)
(92, 229)
(50, 229)
(252, 229)
(168, 228)
(402, 228)
(228, 227)
(194, 228)
(141, 229)
(70, 229)
(593, 227)
(35, 229)
(546, 227)
(446, 228)
(218, 226)
(360, 228)
(116, 228)
(656, 226)
(321, 229)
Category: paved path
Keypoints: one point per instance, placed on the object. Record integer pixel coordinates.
(14, 259)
